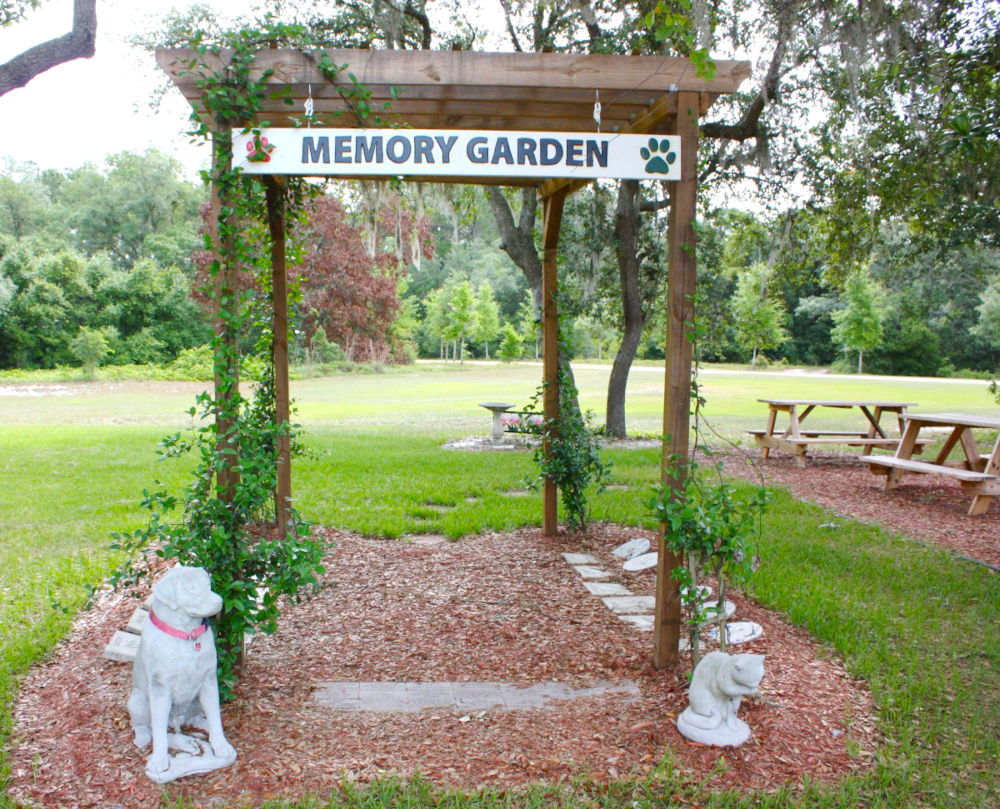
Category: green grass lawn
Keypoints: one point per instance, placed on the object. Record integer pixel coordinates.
(919, 625)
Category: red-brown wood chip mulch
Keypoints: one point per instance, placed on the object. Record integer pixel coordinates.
(497, 607)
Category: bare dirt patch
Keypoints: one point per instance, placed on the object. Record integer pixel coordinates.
(498, 607)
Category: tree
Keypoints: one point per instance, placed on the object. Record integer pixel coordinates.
(77, 44)
(757, 316)
(988, 325)
(138, 207)
(436, 318)
(461, 314)
(858, 326)
(91, 346)
(911, 134)
(487, 321)
(512, 344)
(353, 296)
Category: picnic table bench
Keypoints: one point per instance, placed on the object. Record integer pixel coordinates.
(978, 473)
(795, 439)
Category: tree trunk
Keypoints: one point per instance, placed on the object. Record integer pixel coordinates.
(753, 360)
(861, 354)
(518, 242)
(626, 240)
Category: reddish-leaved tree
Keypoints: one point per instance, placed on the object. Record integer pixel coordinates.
(349, 291)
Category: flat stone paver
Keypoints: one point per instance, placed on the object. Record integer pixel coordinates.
(411, 697)
(643, 622)
(606, 588)
(122, 647)
(137, 621)
(591, 572)
(579, 559)
(630, 604)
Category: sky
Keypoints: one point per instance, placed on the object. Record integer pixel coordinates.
(84, 110)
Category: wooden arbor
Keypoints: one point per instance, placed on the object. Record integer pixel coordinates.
(544, 92)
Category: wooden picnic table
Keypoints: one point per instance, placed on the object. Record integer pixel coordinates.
(796, 439)
(979, 474)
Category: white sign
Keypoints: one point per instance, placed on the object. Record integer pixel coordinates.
(456, 153)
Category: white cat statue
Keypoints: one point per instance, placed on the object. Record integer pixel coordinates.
(719, 682)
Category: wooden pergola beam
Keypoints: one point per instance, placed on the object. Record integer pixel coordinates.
(404, 68)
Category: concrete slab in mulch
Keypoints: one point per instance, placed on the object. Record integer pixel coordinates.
(383, 697)
(137, 621)
(426, 539)
(122, 647)
(590, 572)
(643, 622)
(579, 559)
(606, 588)
(629, 605)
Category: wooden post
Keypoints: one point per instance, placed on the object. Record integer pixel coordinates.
(227, 372)
(279, 328)
(552, 209)
(677, 391)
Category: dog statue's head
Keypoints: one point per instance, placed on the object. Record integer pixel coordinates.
(188, 590)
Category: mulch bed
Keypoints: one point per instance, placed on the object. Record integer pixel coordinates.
(496, 607)
(924, 507)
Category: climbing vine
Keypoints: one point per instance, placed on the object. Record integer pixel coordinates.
(713, 525)
(221, 521)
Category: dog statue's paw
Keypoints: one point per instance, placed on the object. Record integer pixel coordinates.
(185, 744)
(224, 750)
(143, 736)
(157, 764)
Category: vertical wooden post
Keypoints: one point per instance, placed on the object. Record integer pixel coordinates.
(227, 372)
(552, 210)
(279, 328)
(677, 391)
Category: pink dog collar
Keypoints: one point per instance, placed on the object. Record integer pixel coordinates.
(177, 633)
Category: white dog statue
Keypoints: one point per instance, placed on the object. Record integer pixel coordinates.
(174, 675)
(718, 684)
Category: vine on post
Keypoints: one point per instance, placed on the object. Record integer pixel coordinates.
(712, 524)
(569, 454)
(220, 523)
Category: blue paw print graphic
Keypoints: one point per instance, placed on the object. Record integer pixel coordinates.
(658, 156)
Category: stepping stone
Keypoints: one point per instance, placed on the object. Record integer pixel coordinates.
(383, 697)
(739, 631)
(712, 611)
(579, 559)
(643, 622)
(634, 547)
(122, 647)
(627, 605)
(589, 572)
(606, 588)
(137, 621)
(642, 562)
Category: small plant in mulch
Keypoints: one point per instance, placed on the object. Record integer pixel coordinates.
(715, 527)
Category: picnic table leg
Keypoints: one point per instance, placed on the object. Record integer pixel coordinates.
(873, 428)
(949, 445)
(991, 466)
(793, 431)
(976, 462)
(905, 451)
(772, 415)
